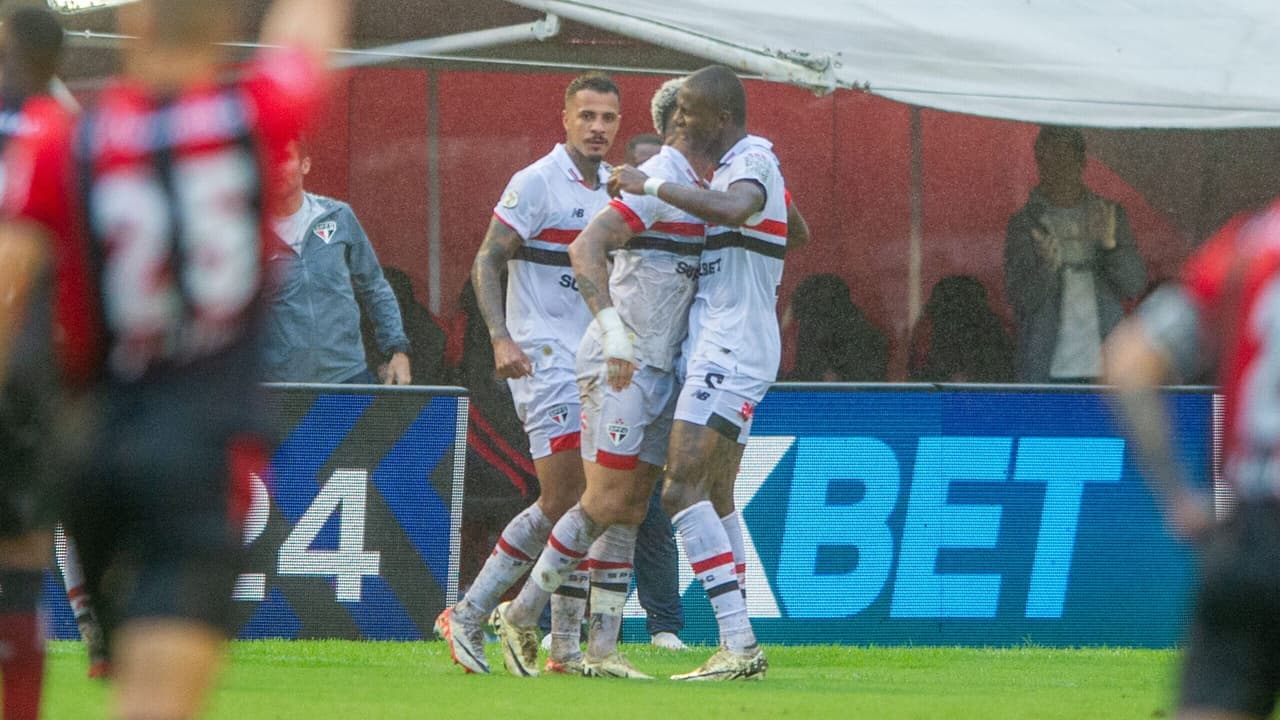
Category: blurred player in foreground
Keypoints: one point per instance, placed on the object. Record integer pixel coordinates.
(535, 333)
(152, 207)
(641, 254)
(1223, 314)
(32, 43)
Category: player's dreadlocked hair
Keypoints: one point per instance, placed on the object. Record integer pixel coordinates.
(663, 105)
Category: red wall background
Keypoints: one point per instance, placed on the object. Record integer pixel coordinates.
(846, 157)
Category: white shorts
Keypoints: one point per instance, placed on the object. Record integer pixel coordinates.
(714, 396)
(547, 403)
(623, 427)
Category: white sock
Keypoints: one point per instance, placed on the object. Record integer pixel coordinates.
(707, 546)
(611, 568)
(733, 528)
(567, 546)
(73, 581)
(521, 540)
(568, 605)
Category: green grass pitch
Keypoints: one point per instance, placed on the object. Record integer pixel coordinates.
(317, 680)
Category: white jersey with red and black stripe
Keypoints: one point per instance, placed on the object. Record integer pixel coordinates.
(656, 273)
(547, 204)
(734, 319)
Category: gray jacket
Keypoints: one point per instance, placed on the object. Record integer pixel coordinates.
(1034, 289)
(313, 317)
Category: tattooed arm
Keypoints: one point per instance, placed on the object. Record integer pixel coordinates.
(589, 254)
(499, 246)
(607, 231)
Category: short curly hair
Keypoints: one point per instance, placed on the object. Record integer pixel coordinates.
(663, 105)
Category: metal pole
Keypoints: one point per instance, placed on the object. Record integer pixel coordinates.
(915, 251)
(434, 235)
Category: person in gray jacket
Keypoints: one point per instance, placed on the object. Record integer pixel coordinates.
(325, 274)
(1069, 264)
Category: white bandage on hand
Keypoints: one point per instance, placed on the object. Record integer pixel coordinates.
(613, 336)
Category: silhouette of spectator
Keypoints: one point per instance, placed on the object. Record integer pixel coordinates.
(426, 337)
(960, 338)
(1070, 262)
(835, 340)
(641, 148)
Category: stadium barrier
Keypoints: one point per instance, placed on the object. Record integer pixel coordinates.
(954, 515)
(874, 514)
(355, 533)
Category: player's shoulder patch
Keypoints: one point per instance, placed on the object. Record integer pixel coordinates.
(510, 198)
(759, 165)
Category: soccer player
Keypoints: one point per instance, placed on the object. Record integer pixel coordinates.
(535, 335)
(153, 205)
(625, 379)
(733, 349)
(1223, 314)
(32, 43)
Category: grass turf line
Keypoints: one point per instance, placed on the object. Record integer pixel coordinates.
(318, 680)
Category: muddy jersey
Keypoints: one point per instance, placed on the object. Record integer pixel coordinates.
(655, 274)
(547, 204)
(1225, 315)
(734, 318)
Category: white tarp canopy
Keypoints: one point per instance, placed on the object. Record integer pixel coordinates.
(1098, 63)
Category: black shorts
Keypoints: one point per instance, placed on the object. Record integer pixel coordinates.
(1233, 657)
(24, 446)
(155, 512)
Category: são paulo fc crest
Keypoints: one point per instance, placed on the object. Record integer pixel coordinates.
(617, 431)
(559, 414)
(325, 231)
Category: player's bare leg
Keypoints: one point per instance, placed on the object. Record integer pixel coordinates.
(21, 637)
(462, 626)
(163, 668)
(686, 496)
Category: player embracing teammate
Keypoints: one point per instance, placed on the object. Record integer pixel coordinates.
(732, 353)
(535, 335)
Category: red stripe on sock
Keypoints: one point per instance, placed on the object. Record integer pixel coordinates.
(740, 568)
(583, 566)
(512, 550)
(712, 562)
(562, 549)
(75, 593)
(606, 565)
